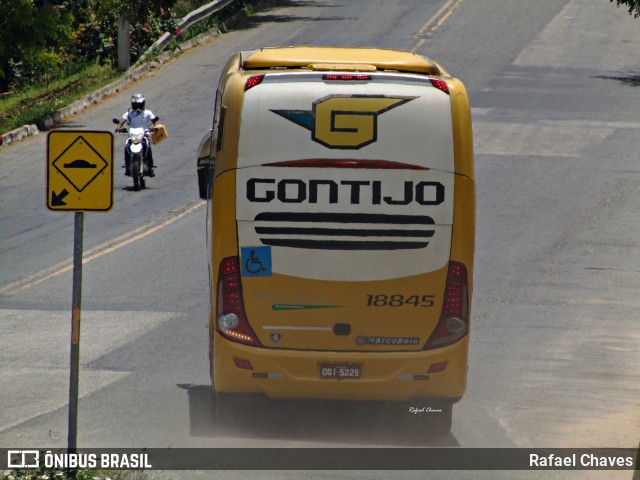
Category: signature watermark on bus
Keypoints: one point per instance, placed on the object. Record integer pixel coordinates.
(421, 410)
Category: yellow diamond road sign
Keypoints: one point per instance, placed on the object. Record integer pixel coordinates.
(80, 170)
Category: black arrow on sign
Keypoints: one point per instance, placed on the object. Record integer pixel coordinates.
(57, 199)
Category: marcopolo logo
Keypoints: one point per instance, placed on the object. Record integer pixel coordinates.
(344, 121)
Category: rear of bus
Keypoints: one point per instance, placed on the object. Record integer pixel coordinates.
(342, 226)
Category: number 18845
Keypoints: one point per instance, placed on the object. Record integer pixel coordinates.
(398, 300)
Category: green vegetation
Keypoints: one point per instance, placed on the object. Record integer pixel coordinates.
(33, 103)
(53, 52)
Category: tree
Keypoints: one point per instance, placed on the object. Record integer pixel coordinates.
(128, 12)
(29, 30)
(132, 10)
(632, 5)
(41, 40)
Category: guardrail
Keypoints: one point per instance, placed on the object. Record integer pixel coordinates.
(187, 21)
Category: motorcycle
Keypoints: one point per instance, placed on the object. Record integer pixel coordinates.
(138, 146)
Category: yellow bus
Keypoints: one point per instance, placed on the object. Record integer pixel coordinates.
(341, 227)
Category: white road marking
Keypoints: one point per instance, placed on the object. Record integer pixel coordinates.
(34, 356)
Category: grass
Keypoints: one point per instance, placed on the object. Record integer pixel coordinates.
(35, 103)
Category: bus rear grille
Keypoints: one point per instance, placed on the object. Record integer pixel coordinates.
(344, 231)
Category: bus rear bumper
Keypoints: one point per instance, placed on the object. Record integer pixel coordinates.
(384, 376)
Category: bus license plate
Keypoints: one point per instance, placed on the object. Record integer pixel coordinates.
(340, 370)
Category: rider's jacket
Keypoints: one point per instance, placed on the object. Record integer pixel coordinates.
(138, 118)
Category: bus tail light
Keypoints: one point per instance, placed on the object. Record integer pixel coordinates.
(346, 77)
(253, 81)
(231, 318)
(454, 319)
(440, 85)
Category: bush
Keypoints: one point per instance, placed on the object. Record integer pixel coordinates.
(93, 40)
(183, 7)
(40, 68)
(145, 33)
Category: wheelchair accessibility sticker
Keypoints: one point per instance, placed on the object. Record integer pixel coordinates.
(256, 261)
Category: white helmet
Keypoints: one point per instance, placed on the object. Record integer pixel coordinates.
(137, 101)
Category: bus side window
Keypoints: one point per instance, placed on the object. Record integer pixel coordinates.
(220, 128)
(209, 146)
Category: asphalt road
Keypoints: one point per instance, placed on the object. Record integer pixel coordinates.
(554, 359)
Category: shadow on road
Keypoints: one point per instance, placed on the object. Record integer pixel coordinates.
(630, 79)
(361, 423)
(261, 15)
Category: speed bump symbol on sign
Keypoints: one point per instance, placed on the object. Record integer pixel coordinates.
(80, 170)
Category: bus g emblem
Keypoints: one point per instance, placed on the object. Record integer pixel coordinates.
(344, 121)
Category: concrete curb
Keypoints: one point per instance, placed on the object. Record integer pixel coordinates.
(133, 74)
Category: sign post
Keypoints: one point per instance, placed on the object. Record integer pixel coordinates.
(79, 179)
(74, 367)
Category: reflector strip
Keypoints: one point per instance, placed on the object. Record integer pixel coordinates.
(281, 306)
(329, 163)
(408, 376)
(270, 376)
(437, 367)
(242, 364)
(289, 327)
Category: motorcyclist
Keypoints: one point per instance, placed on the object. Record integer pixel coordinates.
(138, 117)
